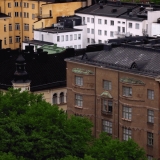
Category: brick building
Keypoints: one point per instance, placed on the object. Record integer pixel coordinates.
(118, 89)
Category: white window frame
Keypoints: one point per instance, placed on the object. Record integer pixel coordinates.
(79, 36)
(17, 26)
(78, 100)
(129, 25)
(150, 114)
(79, 80)
(75, 36)
(66, 37)
(92, 31)
(127, 112)
(105, 21)
(107, 85)
(150, 94)
(127, 91)
(137, 26)
(99, 21)
(88, 19)
(17, 39)
(105, 33)
(58, 38)
(62, 38)
(10, 40)
(112, 23)
(92, 20)
(99, 32)
(111, 34)
(127, 133)
(71, 37)
(88, 30)
(107, 126)
(150, 138)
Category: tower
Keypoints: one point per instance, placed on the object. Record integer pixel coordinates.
(21, 76)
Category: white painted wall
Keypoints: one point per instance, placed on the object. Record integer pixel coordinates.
(155, 29)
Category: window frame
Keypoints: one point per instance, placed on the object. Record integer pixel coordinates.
(127, 112)
(112, 23)
(99, 21)
(130, 25)
(54, 98)
(124, 92)
(150, 116)
(107, 127)
(150, 94)
(107, 105)
(107, 85)
(150, 138)
(136, 25)
(79, 80)
(127, 134)
(79, 100)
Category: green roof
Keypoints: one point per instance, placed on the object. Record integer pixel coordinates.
(52, 49)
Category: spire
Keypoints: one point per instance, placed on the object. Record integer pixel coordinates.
(20, 79)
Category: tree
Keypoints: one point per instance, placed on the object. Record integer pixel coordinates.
(106, 148)
(34, 129)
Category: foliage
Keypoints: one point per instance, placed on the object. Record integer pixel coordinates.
(86, 157)
(34, 129)
(106, 148)
(9, 156)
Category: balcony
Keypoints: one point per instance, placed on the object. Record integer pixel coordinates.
(109, 113)
(41, 16)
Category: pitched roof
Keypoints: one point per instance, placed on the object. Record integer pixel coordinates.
(123, 57)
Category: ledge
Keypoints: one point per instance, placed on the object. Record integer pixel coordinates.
(129, 98)
(78, 107)
(106, 113)
(129, 120)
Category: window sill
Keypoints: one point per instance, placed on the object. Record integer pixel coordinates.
(150, 123)
(124, 119)
(78, 107)
(106, 113)
(148, 145)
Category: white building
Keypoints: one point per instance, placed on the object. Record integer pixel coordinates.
(64, 37)
(115, 20)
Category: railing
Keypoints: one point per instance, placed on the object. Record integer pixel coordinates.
(43, 16)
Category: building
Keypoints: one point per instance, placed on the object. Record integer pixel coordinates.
(117, 88)
(25, 15)
(112, 20)
(36, 72)
(68, 33)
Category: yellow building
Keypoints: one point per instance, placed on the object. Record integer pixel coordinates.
(25, 15)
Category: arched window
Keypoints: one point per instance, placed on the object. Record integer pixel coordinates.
(61, 98)
(55, 98)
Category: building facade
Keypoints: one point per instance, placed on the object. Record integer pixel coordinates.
(25, 15)
(118, 91)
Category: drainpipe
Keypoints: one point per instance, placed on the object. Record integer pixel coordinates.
(95, 112)
(94, 30)
(118, 106)
(5, 6)
(22, 20)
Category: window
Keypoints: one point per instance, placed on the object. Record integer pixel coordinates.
(26, 38)
(54, 98)
(79, 81)
(123, 29)
(92, 41)
(126, 134)
(16, 4)
(92, 20)
(99, 32)
(79, 36)
(137, 25)
(10, 40)
(40, 10)
(150, 157)
(88, 40)
(111, 34)
(99, 21)
(4, 28)
(33, 6)
(119, 22)
(119, 29)
(112, 23)
(62, 38)
(33, 16)
(61, 98)
(58, 38)
(99, 41)
(26, 27)
(123, 22)
(17, 39)
(79, 46)
(75, 36)
(150, 138)
(150, 116)
(16, 14)
(27, 15)
(130, 25)
(32, 28)
(92, 31)
(88, 19)
(127, 91)
(88, 30)
(107, 126)
(17, 26)
(127, 112)
(150, 94)
(75, 46)
(9, 14)
(105, 21)
(9, 5)
(105, 33)
(79, 100)
(5, 41)
(66, 37)
(71, 37)
(107, 85)
(42, 37)
(26, 5)
(107, 105)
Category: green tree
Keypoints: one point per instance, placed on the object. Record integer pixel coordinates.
(9, 156)
(106, 148)
(34, 129)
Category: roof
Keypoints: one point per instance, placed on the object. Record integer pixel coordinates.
(37, 42)
(119, 9)
(44, 72)
(122, 58)
(55, 30)
(2, 15)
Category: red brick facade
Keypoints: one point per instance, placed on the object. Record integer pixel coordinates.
(140, 106)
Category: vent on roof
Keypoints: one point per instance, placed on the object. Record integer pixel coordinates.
(114, 10)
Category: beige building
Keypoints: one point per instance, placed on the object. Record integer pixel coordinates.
(25, 15)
